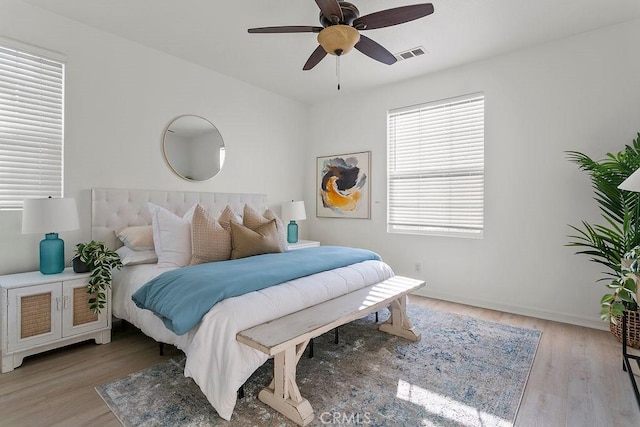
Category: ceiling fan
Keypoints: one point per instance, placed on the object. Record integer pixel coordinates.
(341, 26)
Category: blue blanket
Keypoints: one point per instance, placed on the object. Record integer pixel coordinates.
(183, 296)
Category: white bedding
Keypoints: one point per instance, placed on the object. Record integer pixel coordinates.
(215, 360)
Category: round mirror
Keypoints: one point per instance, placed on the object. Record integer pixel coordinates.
(193, 148)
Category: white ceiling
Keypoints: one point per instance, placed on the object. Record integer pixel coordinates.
(214, 34)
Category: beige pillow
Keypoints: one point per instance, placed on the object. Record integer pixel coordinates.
(246, 242)
(138, 237)
(209, 240)
(252, 219)
(226, 216)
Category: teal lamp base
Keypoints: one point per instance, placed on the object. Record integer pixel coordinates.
(51, 254)
(292, 232)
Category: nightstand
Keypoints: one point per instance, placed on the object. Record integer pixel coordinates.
(40, 312)
(302, 244)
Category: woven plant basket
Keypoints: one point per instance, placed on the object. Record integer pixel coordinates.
(633, 328)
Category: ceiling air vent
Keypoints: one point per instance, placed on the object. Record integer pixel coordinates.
(411, 53)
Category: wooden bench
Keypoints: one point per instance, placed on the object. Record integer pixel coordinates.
(287, 337)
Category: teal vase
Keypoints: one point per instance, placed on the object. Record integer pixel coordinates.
(292, 232)
(51, 254)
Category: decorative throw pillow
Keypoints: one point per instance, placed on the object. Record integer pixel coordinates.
(227, 216)
(130, 257)
(246, 242)
(137, 237)
(171, 236)
(252, 219)
(209, 239)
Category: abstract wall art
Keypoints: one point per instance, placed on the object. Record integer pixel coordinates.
(343, 186)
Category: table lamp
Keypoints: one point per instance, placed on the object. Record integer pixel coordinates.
(632, 183)
(293, 211)
(45, 216)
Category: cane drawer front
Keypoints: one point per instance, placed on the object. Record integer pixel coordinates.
(78, 318)
(33, 315)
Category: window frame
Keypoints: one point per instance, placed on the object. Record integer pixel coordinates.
(453, 130)
(12, 193)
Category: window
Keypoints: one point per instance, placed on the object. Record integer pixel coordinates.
(436, 168)
(31, 125)
(221, 157)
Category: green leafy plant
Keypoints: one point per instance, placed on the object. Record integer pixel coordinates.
(101, 261)
(624, 289)
(619, 233)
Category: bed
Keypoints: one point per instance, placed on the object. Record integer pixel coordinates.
(215, 360)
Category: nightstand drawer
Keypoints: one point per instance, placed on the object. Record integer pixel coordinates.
(34, 315)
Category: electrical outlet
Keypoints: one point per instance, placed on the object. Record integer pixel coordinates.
(418, 267)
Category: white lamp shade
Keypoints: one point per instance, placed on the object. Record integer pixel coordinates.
(49, 215)
(293, 211)
(632, 183)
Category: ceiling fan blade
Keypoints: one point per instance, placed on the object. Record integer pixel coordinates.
(330, 8)
(315, 58)
(395, 16)
(286, 29)
(375, 51)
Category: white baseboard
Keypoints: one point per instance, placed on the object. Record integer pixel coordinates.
(524, 311)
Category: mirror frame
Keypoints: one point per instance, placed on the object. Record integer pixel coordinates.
(172, 166)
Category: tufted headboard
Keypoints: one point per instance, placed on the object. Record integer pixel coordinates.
(113, 209)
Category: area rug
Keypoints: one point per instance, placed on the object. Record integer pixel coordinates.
(464, 372)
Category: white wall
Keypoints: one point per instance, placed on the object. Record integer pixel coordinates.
(580, 93)
(119, 98)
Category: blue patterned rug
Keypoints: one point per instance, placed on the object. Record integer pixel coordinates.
(464, 372)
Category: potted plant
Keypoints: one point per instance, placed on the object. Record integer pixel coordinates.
(623, 297)
(100, 260)
(619, 233)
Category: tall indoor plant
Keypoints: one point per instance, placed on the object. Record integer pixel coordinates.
(100, 261)
(608, 242)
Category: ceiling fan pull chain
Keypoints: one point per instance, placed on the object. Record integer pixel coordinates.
(338, 69)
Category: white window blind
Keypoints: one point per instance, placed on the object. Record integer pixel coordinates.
(31, 127)
(436, 168)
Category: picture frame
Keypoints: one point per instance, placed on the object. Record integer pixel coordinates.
(343, 186)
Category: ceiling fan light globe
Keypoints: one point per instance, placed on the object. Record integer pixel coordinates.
(338, 38)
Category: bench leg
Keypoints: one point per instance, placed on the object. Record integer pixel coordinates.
(283, 394)
(399, 324)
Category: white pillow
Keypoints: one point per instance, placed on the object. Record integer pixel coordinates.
(171, 236)
(129, 256)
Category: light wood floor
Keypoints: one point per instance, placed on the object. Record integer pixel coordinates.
(576, 379)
